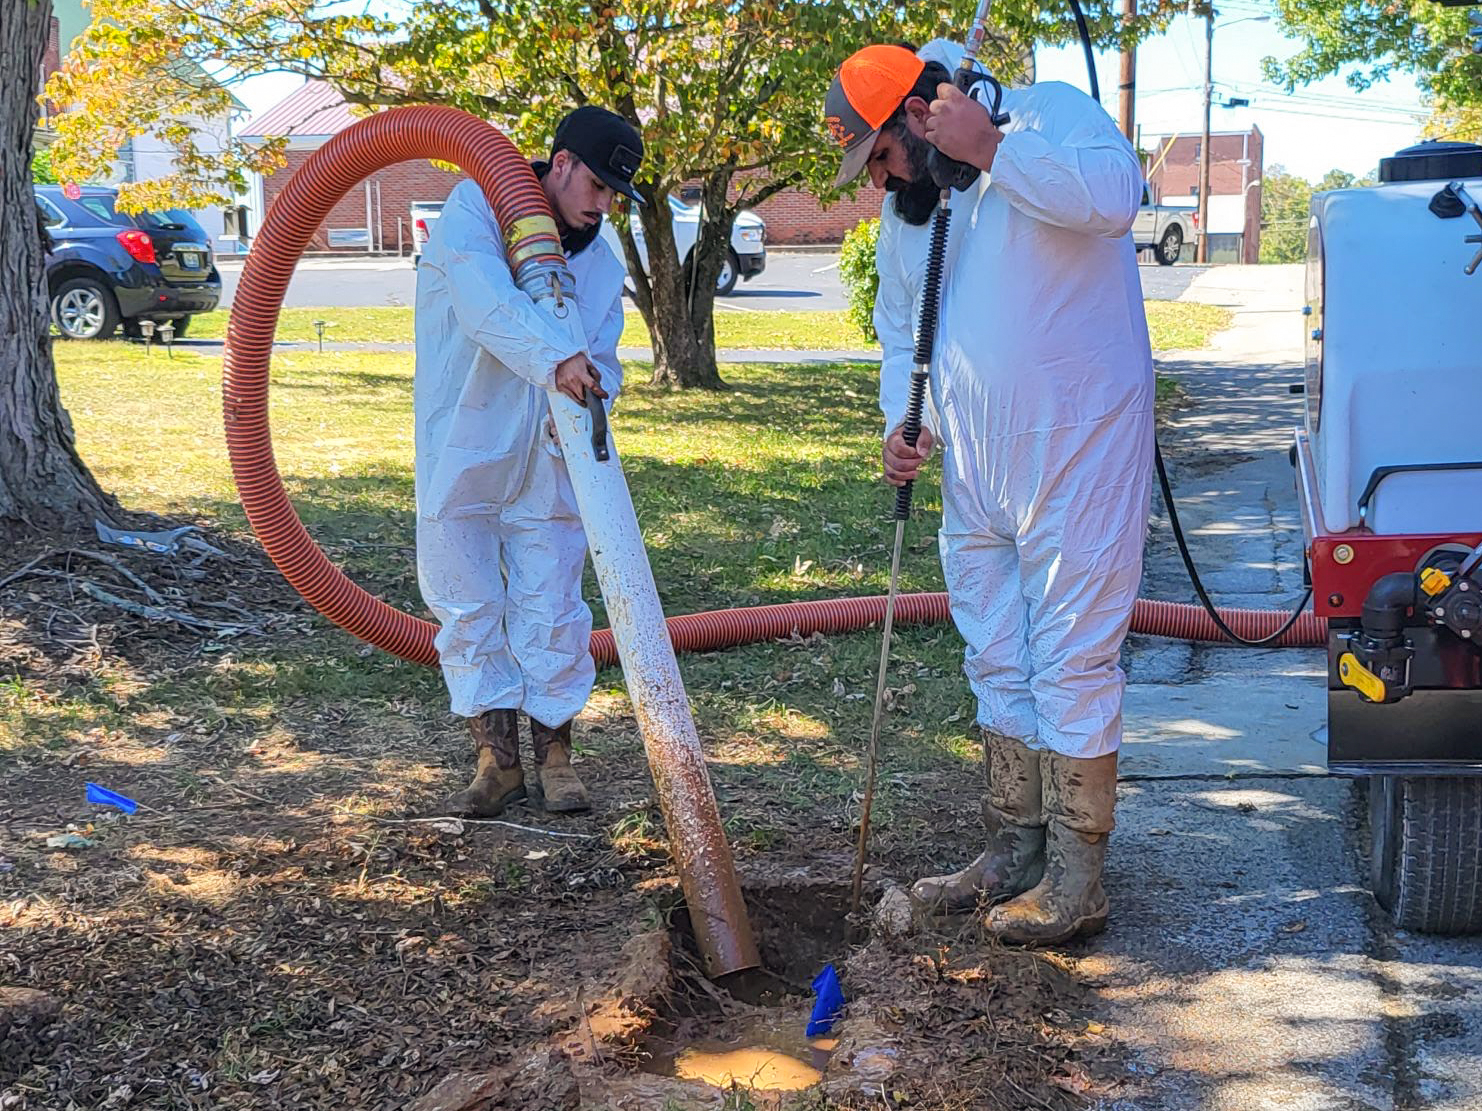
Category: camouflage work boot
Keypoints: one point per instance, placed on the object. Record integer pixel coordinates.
(1012, 814)
(1080, 796)
(562, 790)
(498, 779)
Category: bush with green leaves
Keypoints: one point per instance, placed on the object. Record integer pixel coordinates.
(41, 171)
(861, 280)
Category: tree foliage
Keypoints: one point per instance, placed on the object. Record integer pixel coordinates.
(41, 171)
(1455, 121)
(860, 277)
(727, 94)
(1285, 199)
(1367, 40)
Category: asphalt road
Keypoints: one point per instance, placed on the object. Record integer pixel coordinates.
(790, 282)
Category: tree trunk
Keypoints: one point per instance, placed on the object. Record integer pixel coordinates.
(44, 485)
(683, 330)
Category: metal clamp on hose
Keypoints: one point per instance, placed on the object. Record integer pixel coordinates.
(599, 426)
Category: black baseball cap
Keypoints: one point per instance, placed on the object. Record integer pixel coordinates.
(606, 143)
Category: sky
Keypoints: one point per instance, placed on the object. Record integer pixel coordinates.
(1320, 127)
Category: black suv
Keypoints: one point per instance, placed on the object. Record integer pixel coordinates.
(105, 268)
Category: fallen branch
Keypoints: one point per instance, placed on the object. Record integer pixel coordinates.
(158, 613)
(42, 558)
(149, 591)
(477, 822)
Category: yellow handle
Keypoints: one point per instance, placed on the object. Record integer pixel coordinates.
(1360, 678)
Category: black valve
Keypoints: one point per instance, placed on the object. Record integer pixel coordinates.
(948, 173)
(1459, 608)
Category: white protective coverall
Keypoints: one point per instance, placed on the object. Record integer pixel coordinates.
(500, 545)
(1042, 398)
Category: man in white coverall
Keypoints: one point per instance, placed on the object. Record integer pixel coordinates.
(500, 546)
(1041, 395)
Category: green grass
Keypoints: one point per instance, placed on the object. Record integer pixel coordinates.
(1172, 325)
(1184, 325)
(765, 492)
(393, 324)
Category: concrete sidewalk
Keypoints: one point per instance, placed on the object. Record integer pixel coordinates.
(1246, 965)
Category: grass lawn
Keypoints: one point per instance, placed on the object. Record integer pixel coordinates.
(1171, 324)
(267, 925)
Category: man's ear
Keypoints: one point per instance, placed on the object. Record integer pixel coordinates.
(918, 110)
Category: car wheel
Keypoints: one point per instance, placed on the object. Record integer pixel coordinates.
(730, 273)
(182, 325)
(84, 308)
(1425, 851)
(1170, 246)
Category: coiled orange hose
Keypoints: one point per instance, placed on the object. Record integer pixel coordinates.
(380, 140)
(518, 203)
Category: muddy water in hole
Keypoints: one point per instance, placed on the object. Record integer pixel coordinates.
(765, 1052)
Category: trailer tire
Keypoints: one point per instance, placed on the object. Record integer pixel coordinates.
(1425, 839)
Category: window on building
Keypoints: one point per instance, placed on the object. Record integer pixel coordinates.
(1193, 190)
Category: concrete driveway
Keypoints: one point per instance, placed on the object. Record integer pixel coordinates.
(1246, 964)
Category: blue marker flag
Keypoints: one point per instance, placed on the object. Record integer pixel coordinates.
(102, 796)
(828, 1004)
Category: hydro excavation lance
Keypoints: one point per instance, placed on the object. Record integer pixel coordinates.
(948, 175)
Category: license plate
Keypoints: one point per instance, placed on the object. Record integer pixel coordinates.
(189, 260)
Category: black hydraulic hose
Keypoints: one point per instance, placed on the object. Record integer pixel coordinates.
(1080, 23)
(926, 331)
(1178, 532)
(1209, 606)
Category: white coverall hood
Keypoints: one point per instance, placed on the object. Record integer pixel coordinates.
(947, 53)
(492, 488)
(1042, 397)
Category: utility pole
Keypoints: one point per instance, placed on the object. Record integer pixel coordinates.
(1128, 86)
(1201, 254)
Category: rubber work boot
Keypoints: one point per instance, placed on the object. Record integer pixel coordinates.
(1069, 901)
(1014, 859)
(562, 790)
(498, 779)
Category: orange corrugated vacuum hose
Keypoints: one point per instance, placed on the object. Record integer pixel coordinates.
(514, 193)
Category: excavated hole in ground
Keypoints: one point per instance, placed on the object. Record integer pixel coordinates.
(749, 1029)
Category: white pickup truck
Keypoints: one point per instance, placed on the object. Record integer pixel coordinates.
(1165, 228)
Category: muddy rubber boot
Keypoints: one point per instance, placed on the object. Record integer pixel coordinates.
(1012, 812)
(561, 790)
(1080, 796)
(498, 780)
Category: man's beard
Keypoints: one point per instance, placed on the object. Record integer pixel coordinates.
(916, 199)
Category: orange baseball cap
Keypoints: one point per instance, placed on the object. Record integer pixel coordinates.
(869, 87)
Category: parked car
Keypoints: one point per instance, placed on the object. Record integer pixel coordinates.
(424, 214)
(106, 268)
(1164, 228)
(745, 258)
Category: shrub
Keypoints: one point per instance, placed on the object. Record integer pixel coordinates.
(861, 280)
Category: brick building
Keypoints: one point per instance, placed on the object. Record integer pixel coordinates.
(51, 61)
(795, 217)
(1235, 167)
(373, 216)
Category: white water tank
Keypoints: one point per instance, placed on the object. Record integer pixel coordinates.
(1394, 347)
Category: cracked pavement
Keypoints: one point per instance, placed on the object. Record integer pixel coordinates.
(1246, 965)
